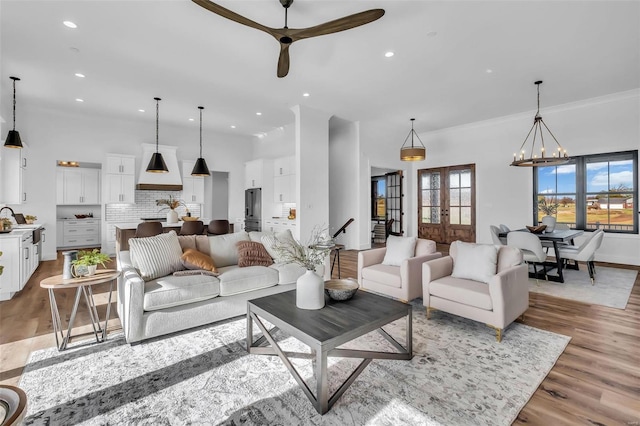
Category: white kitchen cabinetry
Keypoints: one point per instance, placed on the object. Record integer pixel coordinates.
(20, 259)
(80, 233)
(13, 169)
(278, 225)
(120, 164)
(284, 180)
(253, 174)
(78, 186)
(192, 186)
(119, 179)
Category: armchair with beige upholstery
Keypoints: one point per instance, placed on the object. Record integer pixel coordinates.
(402, 281)
(489, 284)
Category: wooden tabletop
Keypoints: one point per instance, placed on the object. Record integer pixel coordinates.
(101, 276)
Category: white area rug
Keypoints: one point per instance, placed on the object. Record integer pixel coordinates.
(459, 376)
(612, 286)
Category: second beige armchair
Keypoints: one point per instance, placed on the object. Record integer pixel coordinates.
(401, 281)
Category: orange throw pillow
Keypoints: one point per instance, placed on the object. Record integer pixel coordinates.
(194, 259)
(252, 253)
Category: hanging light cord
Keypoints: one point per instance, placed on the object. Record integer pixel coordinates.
(411, 133)
(157, 120)
(14, 102)
(201, 108)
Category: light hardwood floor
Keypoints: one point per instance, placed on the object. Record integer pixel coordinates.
(595, 381)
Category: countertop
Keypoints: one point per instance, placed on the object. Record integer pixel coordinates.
(19, 230)
(134, 225)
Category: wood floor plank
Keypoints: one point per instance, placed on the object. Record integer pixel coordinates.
(595, 381)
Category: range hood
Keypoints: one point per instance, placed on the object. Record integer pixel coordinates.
(170, 181)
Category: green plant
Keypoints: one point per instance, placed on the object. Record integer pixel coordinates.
(311, 255)
(5, 223)
(29, 217)
(1, 267)
(93, 257)
(547, 207)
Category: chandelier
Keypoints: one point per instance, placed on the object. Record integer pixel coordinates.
(413, 152)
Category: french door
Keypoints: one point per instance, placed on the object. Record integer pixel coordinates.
(447, 204)
(394, 202)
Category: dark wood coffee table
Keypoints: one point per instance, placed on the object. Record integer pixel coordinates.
(323, 330)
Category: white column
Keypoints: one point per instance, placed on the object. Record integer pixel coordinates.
(312, 169)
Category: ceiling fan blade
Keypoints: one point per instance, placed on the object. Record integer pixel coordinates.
(226, 13)
(337, 25)
(283, 60)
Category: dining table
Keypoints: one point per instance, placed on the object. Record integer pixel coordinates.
(557, 237)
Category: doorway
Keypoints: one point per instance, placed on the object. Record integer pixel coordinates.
(447, 204)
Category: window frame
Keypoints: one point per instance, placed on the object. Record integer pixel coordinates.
(581, 162)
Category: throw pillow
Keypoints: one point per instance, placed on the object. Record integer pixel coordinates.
(194, 259)
(476, 262)
(282, 238)
(251, 253)
(398, 250)
(156, 256)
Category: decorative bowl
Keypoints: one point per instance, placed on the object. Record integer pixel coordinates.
(341, 289)
(81, 216)
(537, 229)
(190, 218)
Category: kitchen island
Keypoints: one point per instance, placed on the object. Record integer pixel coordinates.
(127, 230)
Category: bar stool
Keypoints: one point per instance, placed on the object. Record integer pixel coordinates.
(148, 229)
(218, 227)
(193, 227)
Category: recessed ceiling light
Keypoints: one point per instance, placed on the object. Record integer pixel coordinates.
(389, 54)
(79, 100)
(489, 71)
(233, 127)
(258, 113)
(78, 74)
(432, 34)
(191, 119)
(74, 49)
(140, 110)
(70, 24)
(306, 95)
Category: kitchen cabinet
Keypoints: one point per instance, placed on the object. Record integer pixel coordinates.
(284, 166)
(20, 259)
(253, 174)
(120, 164)
(77, 186)
(13, 170)
(119, 179)
(192, 186)
(80, 233)
(284, 188)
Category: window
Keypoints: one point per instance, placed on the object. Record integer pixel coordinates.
(591, 191)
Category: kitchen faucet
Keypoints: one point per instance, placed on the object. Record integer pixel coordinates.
(13, 214)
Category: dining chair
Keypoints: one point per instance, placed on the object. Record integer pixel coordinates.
(148, 229)
(504, 228)
(585, 252)
(193, 227)
(531, 248)
(495, 236)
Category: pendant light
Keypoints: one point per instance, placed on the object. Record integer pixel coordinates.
(535, 160)
(157, 164)
(413, 152)
(200, 168)
(13, 138)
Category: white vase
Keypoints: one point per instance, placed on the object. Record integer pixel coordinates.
(172, 216)
(310, 291)
(92, 269)
(550, 221)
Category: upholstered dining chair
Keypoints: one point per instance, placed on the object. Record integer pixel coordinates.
(531, 248)
(148, 229)
(218, 227)
(504, 228)
(495, 236)
(192, 227)
(585, 252)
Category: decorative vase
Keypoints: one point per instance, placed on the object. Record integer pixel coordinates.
(310, 291)
(550, 221)
(172, 216)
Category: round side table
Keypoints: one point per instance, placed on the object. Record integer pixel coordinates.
(83, 287)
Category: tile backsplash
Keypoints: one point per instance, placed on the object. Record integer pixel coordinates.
(145, 206)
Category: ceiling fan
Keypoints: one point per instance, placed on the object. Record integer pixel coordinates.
(286, 36)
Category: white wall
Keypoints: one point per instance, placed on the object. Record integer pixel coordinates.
(51, 135)
(504, 193)
(343, 180)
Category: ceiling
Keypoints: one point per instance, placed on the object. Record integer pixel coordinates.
(132, 51)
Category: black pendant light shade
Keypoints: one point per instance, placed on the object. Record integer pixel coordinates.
(157, 164)
(200, 168)
(13, 138)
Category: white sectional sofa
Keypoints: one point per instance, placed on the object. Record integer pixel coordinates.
(186, 299)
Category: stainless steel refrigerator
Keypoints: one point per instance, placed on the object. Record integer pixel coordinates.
(252, 209)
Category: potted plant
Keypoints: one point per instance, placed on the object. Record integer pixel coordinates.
(30, 219)
(5, 224)
(172, 204)
(88, 261)
(549, 208)
(309, 286)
